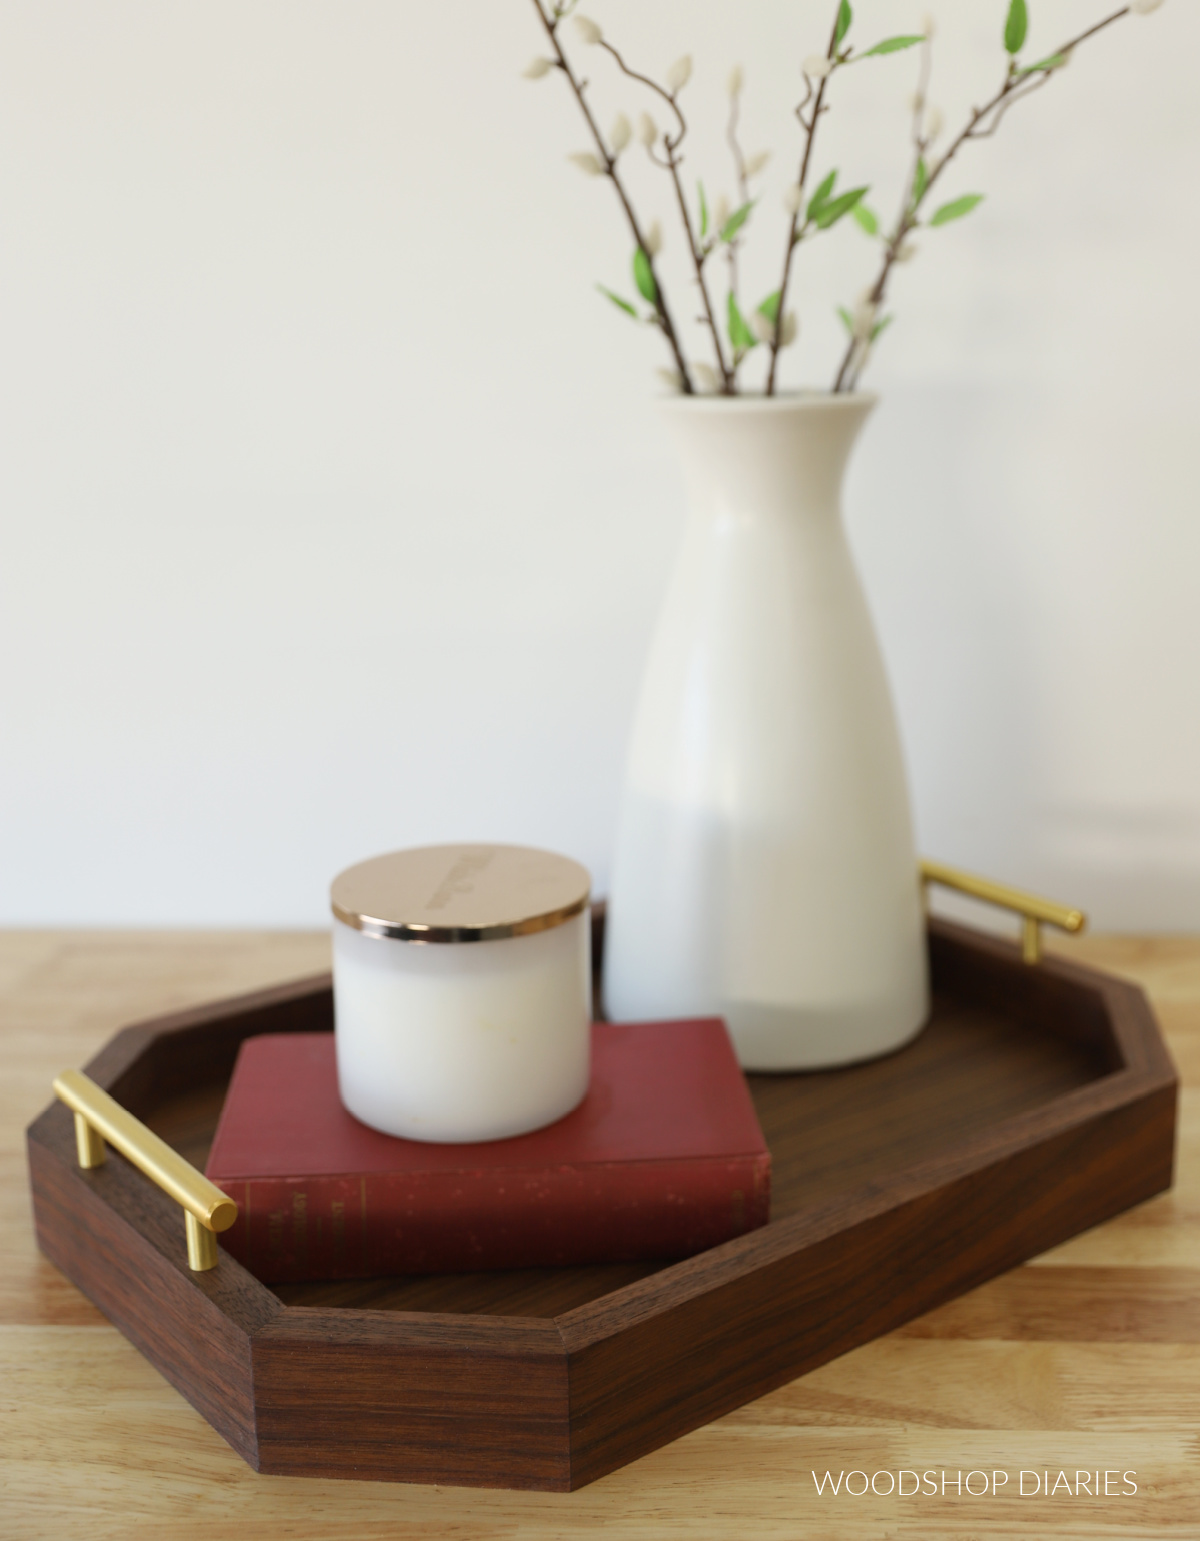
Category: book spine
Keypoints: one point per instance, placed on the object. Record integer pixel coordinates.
(289, 1230)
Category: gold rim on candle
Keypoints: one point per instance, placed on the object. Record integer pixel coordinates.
(460, 893)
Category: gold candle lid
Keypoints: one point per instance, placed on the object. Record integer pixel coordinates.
(460, 893)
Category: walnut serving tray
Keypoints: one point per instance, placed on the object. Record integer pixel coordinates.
(1039, 1101)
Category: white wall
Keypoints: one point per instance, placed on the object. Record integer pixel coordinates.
(334, 509)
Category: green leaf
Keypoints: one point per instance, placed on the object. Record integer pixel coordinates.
(1054, 62)
(618, 301)
(770, 307)
(829, 213)
(881, 326)
(957, 209)
(920, 180)
(1016, 26)
(740, 335)
(703, 210)
(736, 220)
(868, 220)
(643, 277)
(847, 319)
(821, 195)
(844, 17)
(893, 45)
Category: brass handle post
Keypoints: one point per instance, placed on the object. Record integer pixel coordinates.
(99, 1118)
(1034, 911)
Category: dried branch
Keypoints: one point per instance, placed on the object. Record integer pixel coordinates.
(743, 186)
(672, 164)
(981, 123)
(795, 226)
(609, 162)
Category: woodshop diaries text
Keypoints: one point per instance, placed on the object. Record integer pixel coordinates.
(1079, 1484)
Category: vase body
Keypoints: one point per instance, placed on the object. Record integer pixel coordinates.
(764, 868)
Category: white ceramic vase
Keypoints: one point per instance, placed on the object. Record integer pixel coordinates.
(764, 868)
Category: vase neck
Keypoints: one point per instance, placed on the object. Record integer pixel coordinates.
(782, 458)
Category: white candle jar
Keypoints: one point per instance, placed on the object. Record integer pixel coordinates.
(462, 990)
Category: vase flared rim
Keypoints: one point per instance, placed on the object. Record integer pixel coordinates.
(785, 401)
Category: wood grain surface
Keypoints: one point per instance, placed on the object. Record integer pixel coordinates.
(1086, 1360)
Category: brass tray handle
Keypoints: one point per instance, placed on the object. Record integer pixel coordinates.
(1034, 912)
(206, 1210)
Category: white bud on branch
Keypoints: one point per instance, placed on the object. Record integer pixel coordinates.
(720, 211)
(538, 67)
(587, 162)
(756, 162)
(1144, 7)
(707, 378)
(620, 134)
(817, 65)
(928, 26)
(793, 199)
(864, 319)
(589, 31)
(762, 326)
(934, 123)
(671, 378)
(653, 241)
(679, 74)
(906, 252)
(734, 84)
(647, 130)
(789, 330)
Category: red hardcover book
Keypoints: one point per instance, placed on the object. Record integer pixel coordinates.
(664, 1157)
